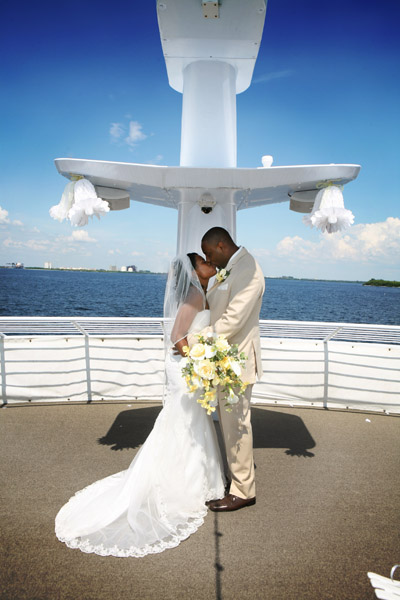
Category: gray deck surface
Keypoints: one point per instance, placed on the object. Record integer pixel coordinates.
(327, 511)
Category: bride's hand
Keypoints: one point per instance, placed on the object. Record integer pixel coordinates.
(178, 348)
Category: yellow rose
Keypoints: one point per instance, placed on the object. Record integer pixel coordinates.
(221, 344)
(186, 350)
(225, 363)
(197, 351)
(205, 369)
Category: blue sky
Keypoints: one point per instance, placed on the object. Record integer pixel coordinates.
(325, 89)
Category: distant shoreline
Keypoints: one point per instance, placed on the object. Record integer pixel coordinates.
(85, 270)
(371, 282)
(283, 277)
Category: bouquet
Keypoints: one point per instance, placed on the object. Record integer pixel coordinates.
(210, 363)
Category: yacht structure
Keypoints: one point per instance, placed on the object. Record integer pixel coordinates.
(210, 50)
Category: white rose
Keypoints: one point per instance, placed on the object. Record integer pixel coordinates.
(210, 351)
(197, 352)
(205, 369)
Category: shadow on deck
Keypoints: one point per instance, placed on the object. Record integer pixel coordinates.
(326, 513)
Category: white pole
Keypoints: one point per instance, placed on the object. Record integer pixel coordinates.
(208, 136)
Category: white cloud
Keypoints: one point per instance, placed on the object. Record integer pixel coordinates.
(4, 219)
(261, 252)
(370, 242)
(134, 253)
(116, 251)
(4, 216)
(30, 244)
(274, 75)
(156, 160)
(37, 244)
(80, 235)
(381, 239)
(135, 133)
(117, 130)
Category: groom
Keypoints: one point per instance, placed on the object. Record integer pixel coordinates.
(235, 306)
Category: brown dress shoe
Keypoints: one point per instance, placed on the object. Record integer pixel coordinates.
(229, 503)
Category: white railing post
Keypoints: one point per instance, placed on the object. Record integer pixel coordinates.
(326, 365)
(87, 360)
(3, 368)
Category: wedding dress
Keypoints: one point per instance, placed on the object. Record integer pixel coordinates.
(160, 499)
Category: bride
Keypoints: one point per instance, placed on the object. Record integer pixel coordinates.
(160, 499)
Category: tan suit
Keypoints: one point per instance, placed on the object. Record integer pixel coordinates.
(235, 311)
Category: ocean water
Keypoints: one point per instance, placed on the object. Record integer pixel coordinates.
(73, 293)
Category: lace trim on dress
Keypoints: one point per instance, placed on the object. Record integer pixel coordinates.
(186, 530)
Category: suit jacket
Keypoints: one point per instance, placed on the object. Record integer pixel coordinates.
(235, 309)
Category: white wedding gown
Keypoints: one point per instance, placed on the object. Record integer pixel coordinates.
(160, 499)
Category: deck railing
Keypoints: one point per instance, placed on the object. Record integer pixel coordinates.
(330, 365)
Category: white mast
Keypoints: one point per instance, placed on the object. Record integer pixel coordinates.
(208, 136)
(210, 50)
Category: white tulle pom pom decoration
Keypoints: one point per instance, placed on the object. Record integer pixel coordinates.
(87, 204)
(79, 202)
(60, 211)
(328, 213)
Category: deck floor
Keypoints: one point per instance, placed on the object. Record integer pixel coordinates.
(327, 511)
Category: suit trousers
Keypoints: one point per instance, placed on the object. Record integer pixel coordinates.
(238, 439)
